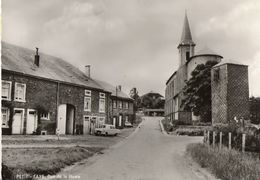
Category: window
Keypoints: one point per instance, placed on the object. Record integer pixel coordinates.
(102, 105)
(187, 55)
(20, 90)
(102, 95)
(120, 104)
(45, 116)
(126, 118)
(102, 120)
(114, 104)
(127, 105)
(6, 90)
(87, 93)
(5, 117)
(87, 104)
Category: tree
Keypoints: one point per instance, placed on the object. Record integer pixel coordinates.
(134, 95)
(197, 91)
(254, 107)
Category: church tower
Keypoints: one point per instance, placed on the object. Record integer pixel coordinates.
(186, 46)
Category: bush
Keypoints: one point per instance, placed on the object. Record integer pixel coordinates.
(252, 136)
(190, 131)
(226, 164)
(178, 123)
(6, 172)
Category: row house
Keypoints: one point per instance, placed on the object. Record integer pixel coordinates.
(121, 106)
(44, 94)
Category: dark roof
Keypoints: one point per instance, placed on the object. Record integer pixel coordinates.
(186, 37)
(112, 89)
(21, 60)
(229, 61)
(171, 77)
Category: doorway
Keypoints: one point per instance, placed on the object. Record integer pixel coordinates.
(114, 121)
(17, 126)
(66, 119)
(31, 123)
(120, 121)
(86, 125)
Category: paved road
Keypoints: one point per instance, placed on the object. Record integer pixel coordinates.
(146, 155)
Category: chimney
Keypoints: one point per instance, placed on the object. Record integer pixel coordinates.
(37, 58)
(119, 88)
(87, 70)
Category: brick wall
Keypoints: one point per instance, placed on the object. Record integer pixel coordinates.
(43, 93)
(116, 112)
(230, 92)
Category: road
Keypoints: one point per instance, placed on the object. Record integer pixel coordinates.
(146, 155)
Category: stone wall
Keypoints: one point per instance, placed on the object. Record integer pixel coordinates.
(44, 93)
(230, 92)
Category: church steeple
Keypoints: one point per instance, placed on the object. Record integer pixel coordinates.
(186, 37)
(186, 46)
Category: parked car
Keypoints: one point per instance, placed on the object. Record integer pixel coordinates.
(107, 129)
(128, 124)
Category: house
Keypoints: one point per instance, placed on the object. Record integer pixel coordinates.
(188, 61)
(42, 93)
(153, 104)
(121, 106)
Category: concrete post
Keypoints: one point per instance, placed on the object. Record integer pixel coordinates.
(204, 136)
(243, 142)
(208, 138)
(220, 140)
(214, 138)
(229, 140)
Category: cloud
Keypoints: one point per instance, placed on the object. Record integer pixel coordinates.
(133, 42)
(254, 75)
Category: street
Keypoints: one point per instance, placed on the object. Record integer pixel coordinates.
(146, 154)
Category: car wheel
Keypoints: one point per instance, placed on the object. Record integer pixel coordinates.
(106, 134)
(116, 134)
(98, 133)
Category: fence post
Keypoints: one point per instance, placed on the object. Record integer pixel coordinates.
(208, 138)
(214, 138)
(220, 140)
(243, 142)
(229, 140)
(204, 136)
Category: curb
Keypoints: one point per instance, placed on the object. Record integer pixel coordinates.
(162, 128)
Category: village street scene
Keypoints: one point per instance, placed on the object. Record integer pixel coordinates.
(135, 90)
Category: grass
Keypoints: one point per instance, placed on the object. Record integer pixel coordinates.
(226, 164)
(43, 161)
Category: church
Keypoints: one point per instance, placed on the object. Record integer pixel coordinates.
(229, 83)
(188, 60)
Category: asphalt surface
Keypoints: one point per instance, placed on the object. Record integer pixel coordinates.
(147, 154)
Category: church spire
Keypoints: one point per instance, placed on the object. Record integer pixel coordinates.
(186, 37)
(186, 46)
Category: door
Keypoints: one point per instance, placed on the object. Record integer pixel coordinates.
(31, 124)
(62, 112)
(114, 121)
(120, 121)
(17, 126)
(70, 119)
(86, 125)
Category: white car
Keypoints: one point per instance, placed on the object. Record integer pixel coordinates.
(107, 129)
(128, 124)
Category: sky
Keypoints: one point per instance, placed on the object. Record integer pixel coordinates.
(133, 43)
